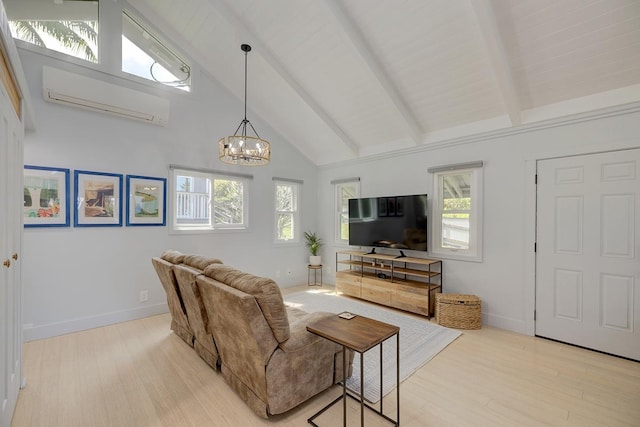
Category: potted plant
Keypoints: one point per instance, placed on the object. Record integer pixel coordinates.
(313, 243)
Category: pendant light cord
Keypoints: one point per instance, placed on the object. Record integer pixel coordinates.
(245, 85)
(243, 124)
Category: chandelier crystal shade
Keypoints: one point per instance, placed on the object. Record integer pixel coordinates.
(242, 149)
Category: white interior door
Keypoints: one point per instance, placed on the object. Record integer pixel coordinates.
(11, 165)
(588, 245)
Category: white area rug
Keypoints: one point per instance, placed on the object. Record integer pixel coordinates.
(420, 340)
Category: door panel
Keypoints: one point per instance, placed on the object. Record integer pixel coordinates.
(587, 266)
(11, 149)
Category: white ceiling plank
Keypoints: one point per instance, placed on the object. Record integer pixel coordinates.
(498, 58)
(362, 48)
(349, 79)
(261, 49)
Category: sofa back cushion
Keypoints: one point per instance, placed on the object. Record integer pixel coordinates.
(186, 278)
(264, 290)
(170, 285)
(174, 257)
(199, 261)
(242, 335)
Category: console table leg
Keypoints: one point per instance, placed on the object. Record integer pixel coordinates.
(344, 386)
(397, 378)
(361, 390)
(381, 379)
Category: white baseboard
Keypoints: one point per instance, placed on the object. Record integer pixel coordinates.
(32, 333)
(510, 324)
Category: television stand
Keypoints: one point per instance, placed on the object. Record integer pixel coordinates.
(406, 283)
(373, 251)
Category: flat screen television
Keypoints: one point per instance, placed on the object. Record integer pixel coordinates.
(398, 222)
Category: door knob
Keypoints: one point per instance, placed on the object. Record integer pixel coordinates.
(6, 263)
(15, 256)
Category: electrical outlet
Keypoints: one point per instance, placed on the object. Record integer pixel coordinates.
(289, 272)
(144, 296)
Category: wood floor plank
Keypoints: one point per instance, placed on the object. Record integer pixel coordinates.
(139, 373)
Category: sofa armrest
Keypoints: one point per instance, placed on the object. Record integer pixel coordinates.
(301, 367)
(301, 338)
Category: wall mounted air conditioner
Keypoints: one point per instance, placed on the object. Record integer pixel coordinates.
(83, 92)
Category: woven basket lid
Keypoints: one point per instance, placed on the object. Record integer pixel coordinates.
(459, 298)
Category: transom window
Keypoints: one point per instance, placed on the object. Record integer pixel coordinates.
(69, 27)
(145, 56)
(208, 200)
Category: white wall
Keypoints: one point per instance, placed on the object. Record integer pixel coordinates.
(504, 279)
(78, 278)
(85, 277)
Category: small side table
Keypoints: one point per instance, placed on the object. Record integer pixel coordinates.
(359, 334)
(315, 269)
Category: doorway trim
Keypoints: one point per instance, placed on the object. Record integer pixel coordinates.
(531, 223)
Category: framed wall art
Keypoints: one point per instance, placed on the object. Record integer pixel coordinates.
(146, 201)
(46, 197)
(98, 199)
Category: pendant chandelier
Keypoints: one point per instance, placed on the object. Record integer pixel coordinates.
(242, 149)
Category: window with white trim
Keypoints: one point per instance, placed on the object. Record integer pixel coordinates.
(344, 190)
(204, 200)
(144, 55)
(70, 27)
(287, 218)
(457, 207)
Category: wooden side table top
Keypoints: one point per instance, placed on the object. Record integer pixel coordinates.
(359, 334)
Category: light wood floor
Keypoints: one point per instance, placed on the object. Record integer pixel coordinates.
(138, 373)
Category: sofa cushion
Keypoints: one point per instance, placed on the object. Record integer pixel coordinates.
(264, 290)
(179, 323)
(199, 261)
(174, 257)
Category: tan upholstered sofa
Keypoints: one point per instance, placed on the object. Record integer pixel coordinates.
(164, 267)
(186, 274)
(242, 326)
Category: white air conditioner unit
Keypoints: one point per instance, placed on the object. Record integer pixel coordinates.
(79, 91)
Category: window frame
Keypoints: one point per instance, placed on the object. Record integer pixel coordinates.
(185, 85)
(474, 252)
(297, 228)
(110, 47)
(211, 226)
(339, 208)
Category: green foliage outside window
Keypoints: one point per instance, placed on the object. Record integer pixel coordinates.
(227, 201)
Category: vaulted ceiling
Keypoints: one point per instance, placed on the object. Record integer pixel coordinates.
(342, 79)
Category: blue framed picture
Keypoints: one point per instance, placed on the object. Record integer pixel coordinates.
(146, 201)
(98, 199)
(46, 197)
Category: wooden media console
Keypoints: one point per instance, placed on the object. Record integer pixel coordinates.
(405, 283)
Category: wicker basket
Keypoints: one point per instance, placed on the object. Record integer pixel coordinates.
(458, 311)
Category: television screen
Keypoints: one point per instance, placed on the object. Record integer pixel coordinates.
(398, 222)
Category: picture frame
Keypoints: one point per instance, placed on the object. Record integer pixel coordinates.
(399, 206)
(391, 206)
(46, 197)
(382, 207)
(98, 199)
(146, 201)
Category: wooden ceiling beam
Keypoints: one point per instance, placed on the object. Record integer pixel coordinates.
(261, 49)
(498, 59)
(360, 45)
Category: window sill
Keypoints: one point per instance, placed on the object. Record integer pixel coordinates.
(177, 231)
(456, 256)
